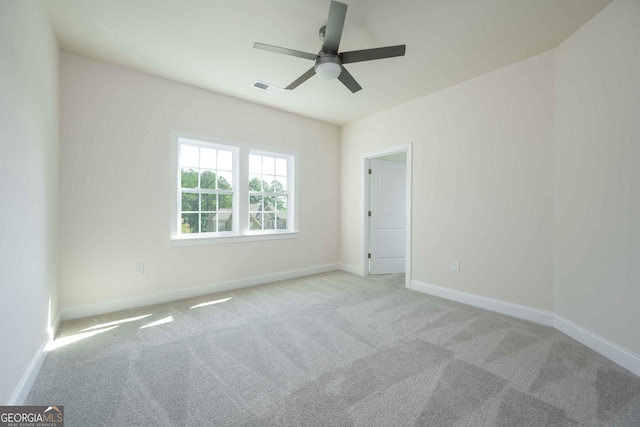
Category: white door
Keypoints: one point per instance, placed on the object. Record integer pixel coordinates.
(388, 217)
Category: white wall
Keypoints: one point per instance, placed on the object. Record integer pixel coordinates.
(597, 175)
(28, 187)
(482, 182)
(115, 185)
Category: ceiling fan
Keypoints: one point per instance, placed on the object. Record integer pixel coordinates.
(329, 64)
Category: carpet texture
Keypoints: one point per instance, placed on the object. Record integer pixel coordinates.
(328, 350)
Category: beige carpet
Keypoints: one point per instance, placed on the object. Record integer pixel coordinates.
(328, 350)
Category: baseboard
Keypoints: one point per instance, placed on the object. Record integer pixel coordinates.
(53, 328)
(31, 373)
(350, 269)
(124, 304)
(623, 357)
(510, 309)
(29, 377)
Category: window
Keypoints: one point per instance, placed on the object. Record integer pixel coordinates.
(206, 189)
(229, 191)
(268, 197)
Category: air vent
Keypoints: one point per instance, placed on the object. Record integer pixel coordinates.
(267, 87)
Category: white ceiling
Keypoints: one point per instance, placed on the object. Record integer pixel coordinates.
(209, 44)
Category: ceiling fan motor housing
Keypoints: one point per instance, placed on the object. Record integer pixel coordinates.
(322, 32)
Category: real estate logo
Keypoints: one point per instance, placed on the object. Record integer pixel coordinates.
(31, 416)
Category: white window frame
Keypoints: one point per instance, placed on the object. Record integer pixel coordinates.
(241, 232)
(262, 152)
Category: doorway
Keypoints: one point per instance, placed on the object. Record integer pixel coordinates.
(387, 212)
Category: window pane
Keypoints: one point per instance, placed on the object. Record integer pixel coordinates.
(208, 222)
(225, 220)
(188, 178)
(268, 165)
(280, 184)
(255, 164)
(207, 158)
(269, 221)
(225, 180)
(255, 221)
(226, 201)
(281, 203)
(268, 179)
(225, 160)
(208, 180)
(281, 213)
(188, 156)
(281, 167)
(208, 202)
(189, 202)
(255, 202)
(255, 183)
(189, 223)
(268, 203)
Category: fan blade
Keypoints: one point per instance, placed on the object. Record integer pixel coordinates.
(335, 23)
(348, 80)
(285, 51)
(303, 78)
(371, 54)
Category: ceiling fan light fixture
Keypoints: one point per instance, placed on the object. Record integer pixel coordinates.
(328, 70)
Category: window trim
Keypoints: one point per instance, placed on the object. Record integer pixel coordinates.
(241, 232)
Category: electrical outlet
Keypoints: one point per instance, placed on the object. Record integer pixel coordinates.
(140, 268)
(455, 266)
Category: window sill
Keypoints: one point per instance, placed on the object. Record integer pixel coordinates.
(197, 241)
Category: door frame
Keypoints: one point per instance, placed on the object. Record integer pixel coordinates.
(365, 196)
